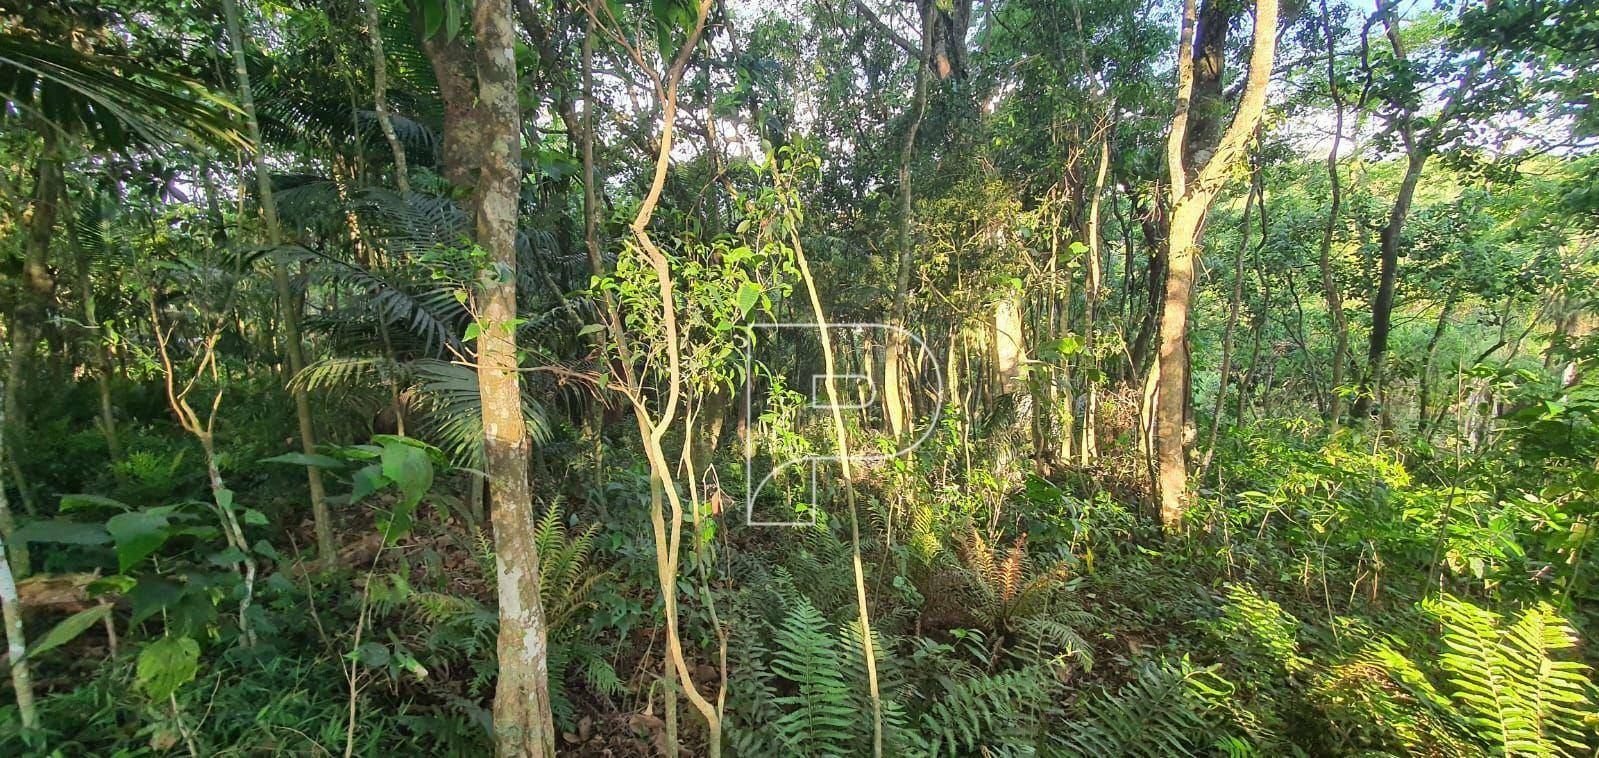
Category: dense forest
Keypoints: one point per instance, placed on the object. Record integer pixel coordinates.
(815, 377)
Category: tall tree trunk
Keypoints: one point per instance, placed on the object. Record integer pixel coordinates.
(523, 722)
(288, 305)
(1329, 285)
(1088, 446)
(1153, 222)
(895, 344)
(11, 608)
(1191, 201)
(1424, 391)
(380, 95)
(1418, 148)
(1382, 307)
(841, 443)
(39, 287)
(1206, 104)
(99, 351)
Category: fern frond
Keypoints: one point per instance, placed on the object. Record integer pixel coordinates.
(821, 718)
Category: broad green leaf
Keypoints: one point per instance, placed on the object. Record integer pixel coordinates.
(152, 595)
(749, 293)
(138, 534)
(367, 481)
(69, 629)
(167, 664)
(407, 465)
(63, 532)
(80, 501)
(373, 654)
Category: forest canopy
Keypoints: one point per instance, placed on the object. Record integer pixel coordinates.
(818, 377)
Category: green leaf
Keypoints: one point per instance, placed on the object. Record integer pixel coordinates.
(115, 584)
(473, 331)
(367, 481)
(167, 664)
(748, 294)
(373, 654)
(68, 630)
(152, 595)
(406, 464)
(303, 459)
(89, 502)
(138, 534)
(62, 532)
(411, 664)
(266, 550)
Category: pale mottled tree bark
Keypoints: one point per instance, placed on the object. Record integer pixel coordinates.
(11, 605)
(523, 723)
(16, 642)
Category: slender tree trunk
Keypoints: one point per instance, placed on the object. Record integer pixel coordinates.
(1232, 324)
(523, 722)
(380, 96)
(99, 351)
(11, 606)
(1190, 202)
(841, 441)
(1418, 147)
(894, 401)
(1424, 392)
(1329, 285)
(49, 188)
(1153, 222)
(1088, 446)
(288, 305)
(1382, 307)
(16, 641)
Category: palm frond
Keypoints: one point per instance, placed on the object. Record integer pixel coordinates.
(452, 411)
(113, 99)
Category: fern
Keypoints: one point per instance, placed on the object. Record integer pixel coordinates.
(1048, 639)
(1006, 585)
(1388, 699)
(564, 576)
(990, 714)
(1518, 698)
(1262, 626)
(1165, 711)
(822, 717)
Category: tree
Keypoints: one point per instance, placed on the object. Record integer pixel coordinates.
(1189, 203)
(523, 722)
(288, 304)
